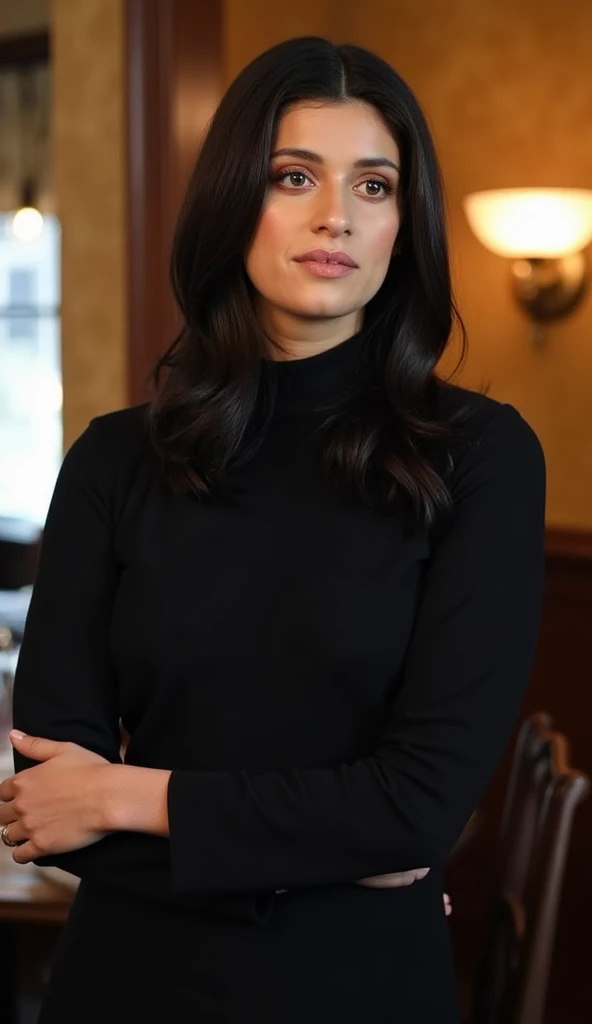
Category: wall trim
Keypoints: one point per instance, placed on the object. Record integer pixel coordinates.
(564, 542)
(175, 65)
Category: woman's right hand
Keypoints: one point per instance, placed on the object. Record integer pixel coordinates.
(399, 878)
(394, 880)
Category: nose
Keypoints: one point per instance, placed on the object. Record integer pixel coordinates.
(331, 211)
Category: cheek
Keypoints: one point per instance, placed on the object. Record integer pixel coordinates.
(385, 238)
(270, 241)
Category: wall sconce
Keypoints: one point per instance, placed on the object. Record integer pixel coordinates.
(544, 231)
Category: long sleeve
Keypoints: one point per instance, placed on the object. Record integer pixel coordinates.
(65, 685)
(463, 682)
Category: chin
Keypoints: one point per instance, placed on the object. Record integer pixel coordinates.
(321, 309)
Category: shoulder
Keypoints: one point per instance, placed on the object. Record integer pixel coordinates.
(125, 427)
(113, 454)
(485, 426)
(120, 435)
(493, 446)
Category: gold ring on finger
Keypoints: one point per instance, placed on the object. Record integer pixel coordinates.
(5, 837)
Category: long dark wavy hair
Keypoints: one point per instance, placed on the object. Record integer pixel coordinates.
(379, 445)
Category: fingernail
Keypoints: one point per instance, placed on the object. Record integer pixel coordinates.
(16, 734)
(422, 872)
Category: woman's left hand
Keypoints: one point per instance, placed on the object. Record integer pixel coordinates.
(56, 806)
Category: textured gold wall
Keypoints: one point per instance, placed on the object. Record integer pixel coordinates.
(89, 168)
(507, 87)
(251, 26)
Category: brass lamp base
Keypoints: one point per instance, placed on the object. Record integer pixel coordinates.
(548, 289)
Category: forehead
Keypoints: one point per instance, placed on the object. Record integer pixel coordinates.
(336, 131)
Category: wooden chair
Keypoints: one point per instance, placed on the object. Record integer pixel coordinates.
(522, 803)
(543, 793)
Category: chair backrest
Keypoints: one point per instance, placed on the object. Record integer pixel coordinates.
(521, 805)
(514, 975)
(545, 882)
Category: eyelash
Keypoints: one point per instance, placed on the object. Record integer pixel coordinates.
(388, 188)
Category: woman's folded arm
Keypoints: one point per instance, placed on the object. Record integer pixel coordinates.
(65, 684)
(462, 685)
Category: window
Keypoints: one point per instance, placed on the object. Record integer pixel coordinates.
(30, 371)
(21, 316)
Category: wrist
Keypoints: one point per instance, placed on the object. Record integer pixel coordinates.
(111, 812)
(134, 799)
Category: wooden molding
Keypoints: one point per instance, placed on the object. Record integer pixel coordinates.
(563, 542)
(174, 80)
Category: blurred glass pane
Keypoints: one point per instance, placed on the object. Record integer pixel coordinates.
(22, 298)
(30, 370)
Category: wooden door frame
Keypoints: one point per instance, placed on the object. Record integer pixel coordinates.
(174, 81)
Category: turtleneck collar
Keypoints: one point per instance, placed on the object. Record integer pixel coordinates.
(304, 383)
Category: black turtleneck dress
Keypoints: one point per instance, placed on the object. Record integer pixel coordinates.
(331, 694)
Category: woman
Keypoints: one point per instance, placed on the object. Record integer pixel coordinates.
(307, 581)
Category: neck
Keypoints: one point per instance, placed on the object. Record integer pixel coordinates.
(311, 385)
(293, 337)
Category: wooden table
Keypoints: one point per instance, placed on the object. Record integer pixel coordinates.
(26, 896)
(27, 901)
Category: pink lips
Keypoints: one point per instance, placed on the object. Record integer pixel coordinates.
(323, 256)
(322, 263)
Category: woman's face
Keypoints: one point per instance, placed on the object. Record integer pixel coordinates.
(338, 194)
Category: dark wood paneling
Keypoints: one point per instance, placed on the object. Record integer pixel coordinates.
(175, 75)
(564, 545)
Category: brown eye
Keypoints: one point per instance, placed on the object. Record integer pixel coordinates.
(374, 186)
(297, 178)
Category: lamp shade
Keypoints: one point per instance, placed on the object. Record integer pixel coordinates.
(531, 222)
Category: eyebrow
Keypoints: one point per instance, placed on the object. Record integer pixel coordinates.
(306, 154)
